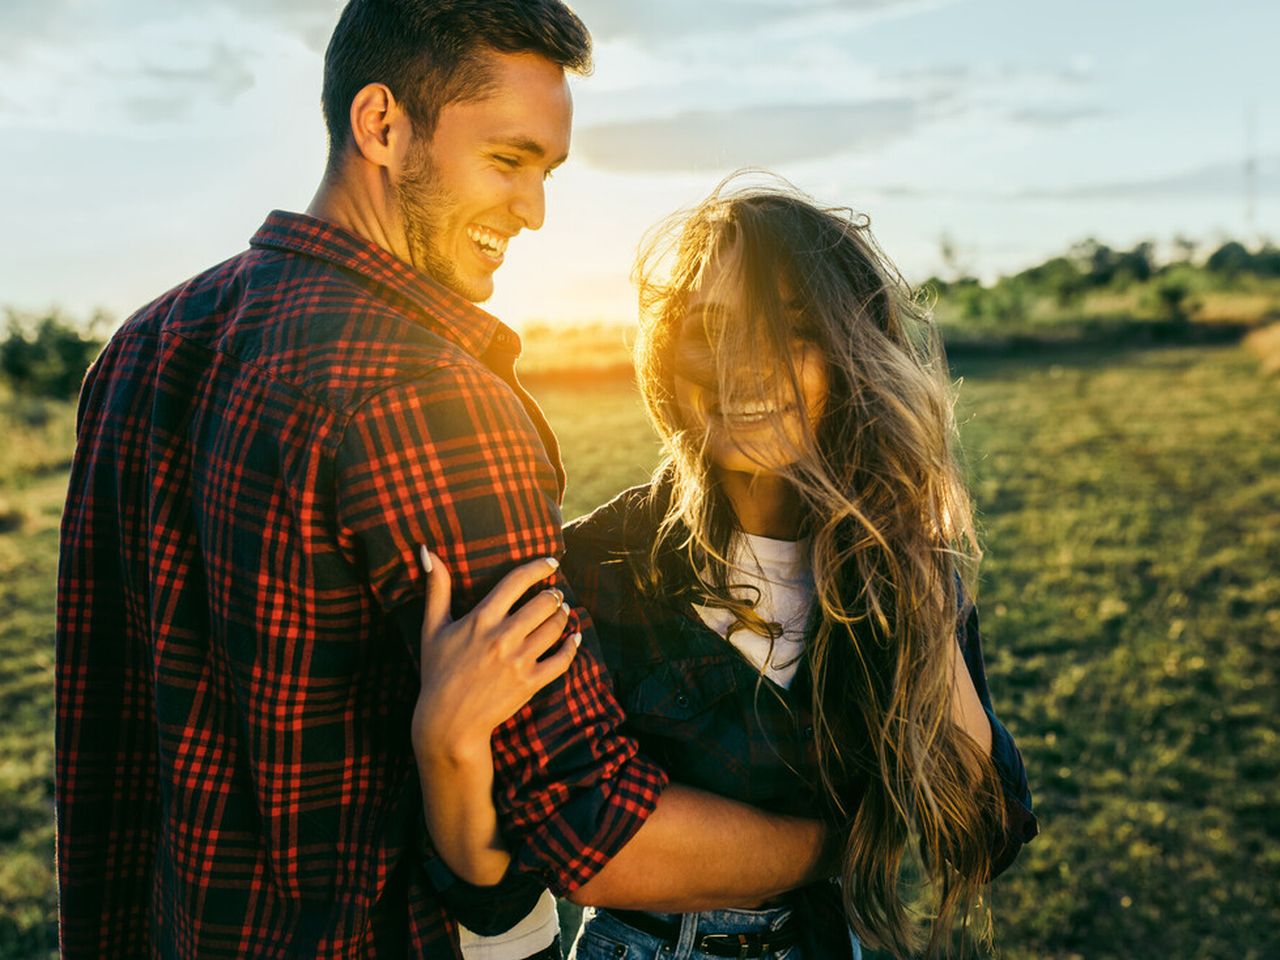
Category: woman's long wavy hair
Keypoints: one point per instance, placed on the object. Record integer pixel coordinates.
(890, 525)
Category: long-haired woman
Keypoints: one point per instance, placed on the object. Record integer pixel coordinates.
(785, 609)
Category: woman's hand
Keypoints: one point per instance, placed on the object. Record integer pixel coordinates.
(479, 670)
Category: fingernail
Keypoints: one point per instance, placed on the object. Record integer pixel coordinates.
(577, 639)
(555, 564)
(426, 557)
(565, 608)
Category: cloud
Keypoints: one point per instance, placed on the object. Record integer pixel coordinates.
(1055, 116)
(312, 21)
(657, 22)
(23, 22)
(767, 135)
(166, 94)
(60, 24)
(146, 61)
(225, 76)
(148, 110)
(1217, 180)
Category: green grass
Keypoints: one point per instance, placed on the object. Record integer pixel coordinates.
(38, 437)
(1131, 607)
(1132, 601)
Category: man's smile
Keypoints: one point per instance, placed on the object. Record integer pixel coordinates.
(489, 243)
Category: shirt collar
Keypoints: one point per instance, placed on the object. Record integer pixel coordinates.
(439, 310)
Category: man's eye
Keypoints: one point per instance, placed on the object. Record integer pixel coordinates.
(511, 162)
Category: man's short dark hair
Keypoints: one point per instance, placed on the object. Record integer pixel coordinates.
(429, 52)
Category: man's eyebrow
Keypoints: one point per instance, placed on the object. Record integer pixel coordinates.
(526, 145)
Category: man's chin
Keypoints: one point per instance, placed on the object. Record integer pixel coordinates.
(476, 289)
(476, 293)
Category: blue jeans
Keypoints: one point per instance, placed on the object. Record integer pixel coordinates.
(605, 937)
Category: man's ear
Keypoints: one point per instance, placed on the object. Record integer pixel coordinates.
(380, 127)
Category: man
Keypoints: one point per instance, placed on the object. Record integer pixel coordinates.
(260, 453)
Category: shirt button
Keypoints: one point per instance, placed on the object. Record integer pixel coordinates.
(619, 951)
(682, 700)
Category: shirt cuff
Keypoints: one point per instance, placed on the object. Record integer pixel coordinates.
(488, 910)
(615, 809)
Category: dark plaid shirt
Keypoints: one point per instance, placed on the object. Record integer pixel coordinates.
(700, 709)
(259, 454)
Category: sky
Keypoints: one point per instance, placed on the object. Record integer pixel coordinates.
(142, 141)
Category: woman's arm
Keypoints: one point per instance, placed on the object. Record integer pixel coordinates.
(476, 673)
(1021, 825)
(967, 711)
(696, 851)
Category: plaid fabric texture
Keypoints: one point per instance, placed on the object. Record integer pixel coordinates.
(700, 708)
(259, 454)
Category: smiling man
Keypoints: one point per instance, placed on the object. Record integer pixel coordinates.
(449, 203)
(260, 454)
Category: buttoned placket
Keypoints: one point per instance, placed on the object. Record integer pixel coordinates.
(500, 357)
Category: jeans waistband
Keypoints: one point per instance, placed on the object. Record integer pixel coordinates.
(730, 921)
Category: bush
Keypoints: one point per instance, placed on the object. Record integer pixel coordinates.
(48, 356)
(1170, 299)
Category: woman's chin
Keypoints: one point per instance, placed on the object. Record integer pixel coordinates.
(754, 460)
(759, 451)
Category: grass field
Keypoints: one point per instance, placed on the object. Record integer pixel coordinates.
(1131, 609)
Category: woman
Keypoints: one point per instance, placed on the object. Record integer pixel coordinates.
(780, 607)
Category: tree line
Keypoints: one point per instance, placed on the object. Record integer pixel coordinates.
(47, 355)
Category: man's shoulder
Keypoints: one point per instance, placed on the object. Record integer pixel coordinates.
(329, 331)
(180, 303)
(312, 325)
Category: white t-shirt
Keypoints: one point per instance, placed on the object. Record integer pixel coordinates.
(780, 570)
(535, 932)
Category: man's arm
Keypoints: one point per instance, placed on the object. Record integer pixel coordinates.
(451, 460)
(107, 780)
(480, 669)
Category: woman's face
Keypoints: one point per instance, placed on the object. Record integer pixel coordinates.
(755, 422)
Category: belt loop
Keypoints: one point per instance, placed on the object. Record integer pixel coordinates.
(688, 936)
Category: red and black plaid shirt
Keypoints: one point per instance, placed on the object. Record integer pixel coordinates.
(259, 454)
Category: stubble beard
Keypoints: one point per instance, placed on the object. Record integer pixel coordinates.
(424, 205)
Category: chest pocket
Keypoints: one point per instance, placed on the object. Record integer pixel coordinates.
(679, 691)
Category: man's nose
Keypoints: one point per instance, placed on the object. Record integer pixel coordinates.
(529, 204)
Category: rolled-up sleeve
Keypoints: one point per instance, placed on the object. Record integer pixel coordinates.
(450, 459)
(1021, 823)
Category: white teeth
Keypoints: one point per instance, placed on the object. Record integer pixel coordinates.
(750, 410)
(491, 243)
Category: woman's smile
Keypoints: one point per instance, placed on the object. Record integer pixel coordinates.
(759, 418)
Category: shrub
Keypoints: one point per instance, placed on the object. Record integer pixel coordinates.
(47, 356)
(1169, 299)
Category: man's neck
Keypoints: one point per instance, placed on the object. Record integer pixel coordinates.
(356, 198)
